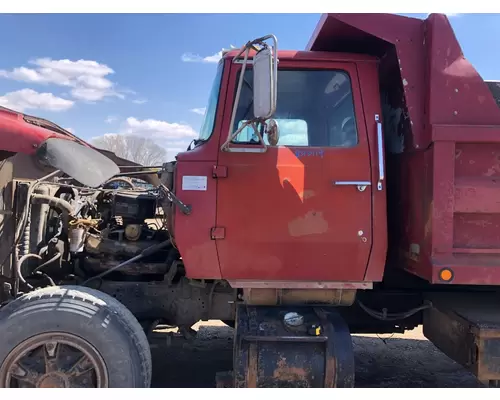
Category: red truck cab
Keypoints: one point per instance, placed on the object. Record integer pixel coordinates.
(311, 211)
(304, 213)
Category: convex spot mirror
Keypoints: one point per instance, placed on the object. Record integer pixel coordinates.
(273, 132)
(264, 83)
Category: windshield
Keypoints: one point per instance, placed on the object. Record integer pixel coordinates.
(209, 121)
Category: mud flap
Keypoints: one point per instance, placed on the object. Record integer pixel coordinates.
(314, 350)
(467, 329)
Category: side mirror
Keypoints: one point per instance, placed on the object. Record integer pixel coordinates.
(264, 83)
(265, 90)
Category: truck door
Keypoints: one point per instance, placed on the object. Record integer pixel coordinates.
(300, 211)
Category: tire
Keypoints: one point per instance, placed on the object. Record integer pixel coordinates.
(105, 324)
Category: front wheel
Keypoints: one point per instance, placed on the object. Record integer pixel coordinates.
(71, 336)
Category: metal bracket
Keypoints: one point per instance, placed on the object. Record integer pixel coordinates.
(185, 209)
(219, 171)
(217, 233)
(245, 51)
(260, 149)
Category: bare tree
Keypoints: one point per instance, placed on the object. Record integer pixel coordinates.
(138, 149)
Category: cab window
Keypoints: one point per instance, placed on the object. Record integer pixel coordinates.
(315, 108)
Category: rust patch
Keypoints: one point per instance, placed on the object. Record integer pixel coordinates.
(311, 224)
(330, 372)
(252, 366)
(285, 373)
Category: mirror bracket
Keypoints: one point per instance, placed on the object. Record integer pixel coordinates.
(253, 123)
(256, 45)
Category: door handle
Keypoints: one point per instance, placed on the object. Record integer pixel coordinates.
(380, 148)
(361, 185)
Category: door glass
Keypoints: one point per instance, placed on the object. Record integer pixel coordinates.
(315, 109)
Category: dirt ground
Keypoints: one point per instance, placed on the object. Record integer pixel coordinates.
(404, 361)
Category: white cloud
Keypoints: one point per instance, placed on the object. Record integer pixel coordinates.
(158, 129)
(27, 99)
(200, 111)
(139, 101)
(190, 57)
(71, 130)
(110, 119)
(215, 58)
(87, 78)
(174, 137)
(173, 151)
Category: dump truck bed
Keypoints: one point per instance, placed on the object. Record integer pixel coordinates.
(494, 87)
(441, 124)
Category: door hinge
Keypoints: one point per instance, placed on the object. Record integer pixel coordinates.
(219, 171)
(217, 233)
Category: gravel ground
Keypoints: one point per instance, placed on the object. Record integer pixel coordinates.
(403, 361)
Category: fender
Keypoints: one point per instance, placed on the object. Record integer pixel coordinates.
(17, 135)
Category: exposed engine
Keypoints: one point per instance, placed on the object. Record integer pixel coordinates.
(77, 233)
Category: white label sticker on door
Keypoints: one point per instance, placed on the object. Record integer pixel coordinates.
(194, 183)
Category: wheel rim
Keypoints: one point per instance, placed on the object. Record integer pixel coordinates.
(54, 360)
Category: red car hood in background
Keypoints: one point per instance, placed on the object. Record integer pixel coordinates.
(21, 133)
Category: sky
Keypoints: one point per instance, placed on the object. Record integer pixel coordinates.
(150, 74)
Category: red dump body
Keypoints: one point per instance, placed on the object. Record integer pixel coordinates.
(444, 169)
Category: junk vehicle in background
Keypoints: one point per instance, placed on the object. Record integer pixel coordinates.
(348, 188)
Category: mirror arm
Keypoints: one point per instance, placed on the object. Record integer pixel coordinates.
(237, 100)
(251, 45)
(246, 49)
(225, 146)
(231, 136)
(261, 139)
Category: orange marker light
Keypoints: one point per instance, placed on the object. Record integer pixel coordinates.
(446, 274)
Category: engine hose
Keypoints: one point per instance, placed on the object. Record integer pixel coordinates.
(21, 226)
(385, 316)
(32, 187)
(145, 253)
(56, 202)
(55, 258)
(52, 283)
(25, 243)
(20, 264)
